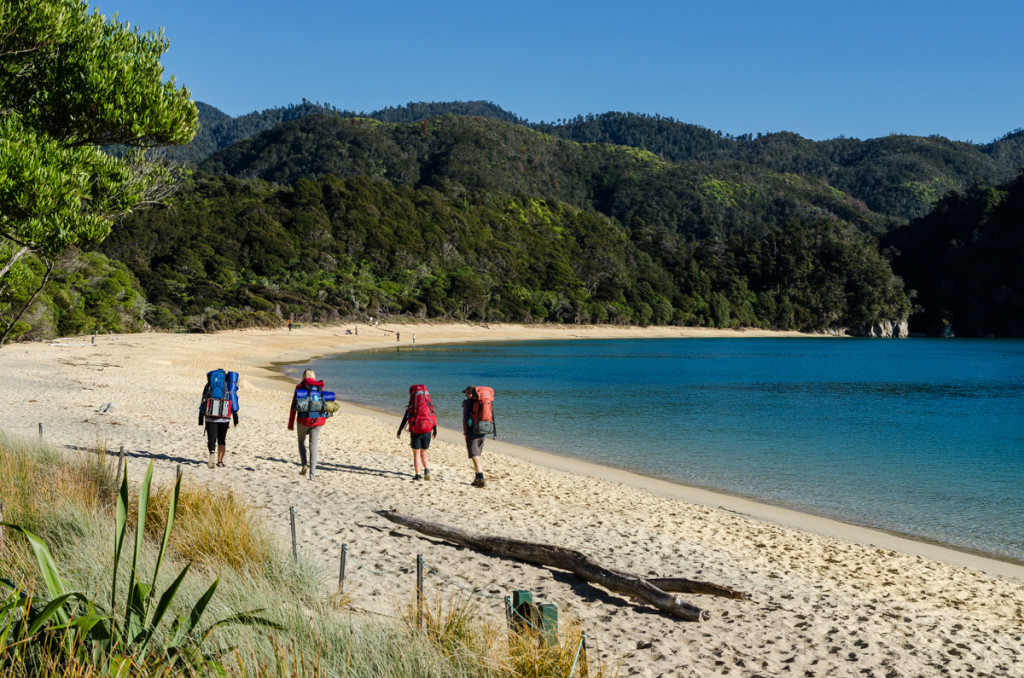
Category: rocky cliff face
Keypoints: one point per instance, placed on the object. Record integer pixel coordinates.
(885, 328)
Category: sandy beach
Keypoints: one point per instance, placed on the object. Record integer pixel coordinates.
(824, 598)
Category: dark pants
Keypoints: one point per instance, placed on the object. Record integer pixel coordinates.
(216, 434)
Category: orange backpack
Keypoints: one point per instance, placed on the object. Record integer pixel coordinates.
(483, 410)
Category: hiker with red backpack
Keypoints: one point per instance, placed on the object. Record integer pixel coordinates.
(419, 414)
(477, 422)
(311, 405)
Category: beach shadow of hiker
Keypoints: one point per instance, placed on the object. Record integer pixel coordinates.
(334, 466)
(159, 456)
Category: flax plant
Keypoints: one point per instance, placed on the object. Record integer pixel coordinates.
(118, 636)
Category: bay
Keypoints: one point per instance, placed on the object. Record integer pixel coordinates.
(921, 437)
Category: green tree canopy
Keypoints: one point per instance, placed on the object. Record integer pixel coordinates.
(72, 81)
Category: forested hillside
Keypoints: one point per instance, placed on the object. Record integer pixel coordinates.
(899, 176)
(694, 199)
(236, 252)
(464, 211)
(966, 261)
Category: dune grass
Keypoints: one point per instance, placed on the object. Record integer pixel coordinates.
(68, 499)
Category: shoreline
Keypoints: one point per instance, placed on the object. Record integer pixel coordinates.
(751, 507)
(823, 598)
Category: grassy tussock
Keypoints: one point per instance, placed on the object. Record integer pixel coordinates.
(213, 528)
(68, 500)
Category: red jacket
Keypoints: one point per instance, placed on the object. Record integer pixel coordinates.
(306, 421)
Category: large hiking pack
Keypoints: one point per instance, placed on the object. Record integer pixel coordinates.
(482, 417)
(420, 410)
(311, 403)
(221, 394)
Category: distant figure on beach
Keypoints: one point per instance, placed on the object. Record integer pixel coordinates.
(357, 330)
(310, 407)
(414, 340)
(289, 324)
(398, 336)
(217, 407)
(477, 422)
(419, 414)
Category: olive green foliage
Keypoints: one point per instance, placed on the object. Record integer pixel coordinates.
(966, 262)
(72, 81)
(338, 248)
(486, 154)
(219, 130)
(86, 293)
(899, 176)
(887, 174)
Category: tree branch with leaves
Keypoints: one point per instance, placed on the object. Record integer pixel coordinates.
(72, 81)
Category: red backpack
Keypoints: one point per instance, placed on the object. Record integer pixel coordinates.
(420, 410)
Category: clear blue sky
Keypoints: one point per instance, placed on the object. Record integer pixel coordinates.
(821, 68)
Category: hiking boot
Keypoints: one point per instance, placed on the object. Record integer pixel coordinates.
(304, 469)
(212, 461)
(479, 482)
(417, 477)
(426, 474)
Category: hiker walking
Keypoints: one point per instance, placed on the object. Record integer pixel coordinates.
(217, 408)
(310, 406)
(419, 414)
(477, 422)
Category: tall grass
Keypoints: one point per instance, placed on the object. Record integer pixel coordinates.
(69, 499)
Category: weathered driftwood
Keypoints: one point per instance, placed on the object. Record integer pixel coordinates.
(680, 585)
(555, 556)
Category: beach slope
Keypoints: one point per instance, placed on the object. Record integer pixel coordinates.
(824, 598)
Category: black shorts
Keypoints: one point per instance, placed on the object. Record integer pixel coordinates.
(420, 441)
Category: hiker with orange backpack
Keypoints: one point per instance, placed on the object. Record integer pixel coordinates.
(419, 414)
(477, 422)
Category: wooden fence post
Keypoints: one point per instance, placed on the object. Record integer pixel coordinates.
(295, 551)
(341, 569)
(419, 590)
(120, 461)
(40, 430)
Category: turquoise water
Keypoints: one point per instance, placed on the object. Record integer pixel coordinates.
(920, 436)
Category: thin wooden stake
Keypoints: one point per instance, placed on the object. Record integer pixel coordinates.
(120, 461)
(295, 550)
(419, 590)
(1, 528)
(40, 430)
(341, 569)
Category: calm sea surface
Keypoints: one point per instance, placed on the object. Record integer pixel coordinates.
(920, 436)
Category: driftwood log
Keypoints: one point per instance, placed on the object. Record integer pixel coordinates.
(562, 558)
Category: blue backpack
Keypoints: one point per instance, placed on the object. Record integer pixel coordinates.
(221, 394)
(311, 402)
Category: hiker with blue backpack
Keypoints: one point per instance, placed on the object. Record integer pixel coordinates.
(217, 408)
(311, 405)
(419, 414)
